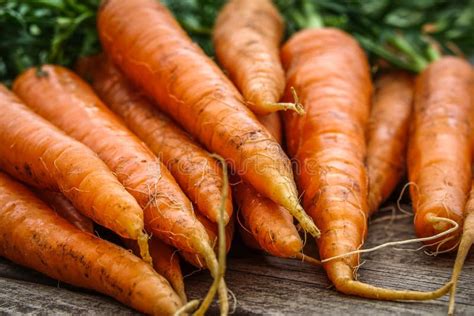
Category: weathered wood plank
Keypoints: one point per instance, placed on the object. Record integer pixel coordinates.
(20, 297)
(271, 286)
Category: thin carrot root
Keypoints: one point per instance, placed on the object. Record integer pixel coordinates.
(308, 259)
(433, 219)
(357, 288)
(295, 106)
(466, 243)
(187, 308)
(142, 242)
(467, 240)
(218, 268)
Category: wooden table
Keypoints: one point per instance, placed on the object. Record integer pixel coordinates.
(270, 286)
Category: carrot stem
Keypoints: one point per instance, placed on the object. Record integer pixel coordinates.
(403, 45)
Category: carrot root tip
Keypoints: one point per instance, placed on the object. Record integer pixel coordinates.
(308, 259)
(142, 241)
(217, 268)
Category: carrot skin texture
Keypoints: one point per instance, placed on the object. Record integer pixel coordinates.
(270, 224)
(88, 120)
(48, 159)
(36, 237)
(388, 134)
(272, 123)
(264, 224)
(197, 173)
(247, 36)
(439, 151)
(61, 205)
(211, 229)
(328, 142)
(147, 43)
(165, 262)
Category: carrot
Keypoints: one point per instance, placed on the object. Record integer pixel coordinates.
(328, 143)
(467, 240)
(439, 151)
(61, 205)
(34, 151)
(247, 36)
(197, 173)
(388, 135)
(165, 262)
(272, 123)
(270, 226)
(147, 43)
(35, 237)
(212, 232)
(168, 213)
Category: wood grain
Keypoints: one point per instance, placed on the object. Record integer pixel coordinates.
(266, 285)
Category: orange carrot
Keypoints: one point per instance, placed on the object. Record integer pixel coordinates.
(272, 123)
(168, 213)
(36, 152)
(35, 237)
(467, 237)
(270, 226)
(165, 262)
(194, 169)
(247, 36)
(439, 151)
(212, 232)
(147, 43)
(328, 142)
(61, 205)
(467, 240)
(388, 135)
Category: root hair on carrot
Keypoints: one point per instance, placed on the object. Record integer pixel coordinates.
(187, 308)
(218, 268)
(455, 226)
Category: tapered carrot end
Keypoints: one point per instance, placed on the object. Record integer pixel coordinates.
(466, 243)
(217, 268)
(361, 289)
(305, 221)
(142, 242)
(308, 259)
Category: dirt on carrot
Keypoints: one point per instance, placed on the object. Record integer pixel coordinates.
(439, 152)
(165, 262)
(247, 36)
(197, 173)
(331, 74)
(36, 152)
(36, 237)
(388, 134)
(149, 46)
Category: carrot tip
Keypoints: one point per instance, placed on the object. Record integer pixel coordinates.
(142, 241)
(308, 259)
(217, 268)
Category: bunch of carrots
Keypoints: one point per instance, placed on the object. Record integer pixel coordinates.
(155, 141)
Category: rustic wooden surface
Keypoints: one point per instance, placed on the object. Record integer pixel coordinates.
(264, 285)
